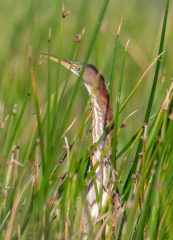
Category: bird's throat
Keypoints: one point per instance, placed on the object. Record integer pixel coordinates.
(102, 115)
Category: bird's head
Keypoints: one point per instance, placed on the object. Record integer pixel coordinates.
(90, 74)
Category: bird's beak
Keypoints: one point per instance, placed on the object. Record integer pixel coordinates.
(70, 66)
(67, 64)
(51, 57)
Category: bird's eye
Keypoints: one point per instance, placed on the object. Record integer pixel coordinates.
(78, 69)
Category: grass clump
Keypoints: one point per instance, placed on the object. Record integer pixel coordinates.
(46, 146)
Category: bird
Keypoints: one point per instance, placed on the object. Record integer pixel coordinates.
(105, 174)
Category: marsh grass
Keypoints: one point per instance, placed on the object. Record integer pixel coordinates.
(44, 158)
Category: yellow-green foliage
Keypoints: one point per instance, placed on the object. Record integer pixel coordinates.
(45, 140)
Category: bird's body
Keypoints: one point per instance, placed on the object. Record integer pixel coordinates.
(102, 116)
(100, 188)
(104, 174)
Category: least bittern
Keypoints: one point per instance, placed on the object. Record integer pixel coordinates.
(102, 116)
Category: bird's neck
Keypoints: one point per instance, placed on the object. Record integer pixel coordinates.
(102, 112)
(102, 116)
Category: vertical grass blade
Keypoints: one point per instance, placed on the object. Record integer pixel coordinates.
(114, 142)
(156, 75)
(113, 61)
(40, 130)
(48, 92)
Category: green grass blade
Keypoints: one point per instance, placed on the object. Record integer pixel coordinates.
(114, 142)
(40, 130)
(113, 61)
(158, 65)
(48, 92)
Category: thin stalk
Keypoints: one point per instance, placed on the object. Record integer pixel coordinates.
(113, 61)
(60, 49)
(48, 91)
(114, 142)
(156, 75)
(37, 107)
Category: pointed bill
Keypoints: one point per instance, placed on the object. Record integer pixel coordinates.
(51, 57)
(74, 67)
(67, 64)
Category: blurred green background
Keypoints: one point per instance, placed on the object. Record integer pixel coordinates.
(25, 25)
